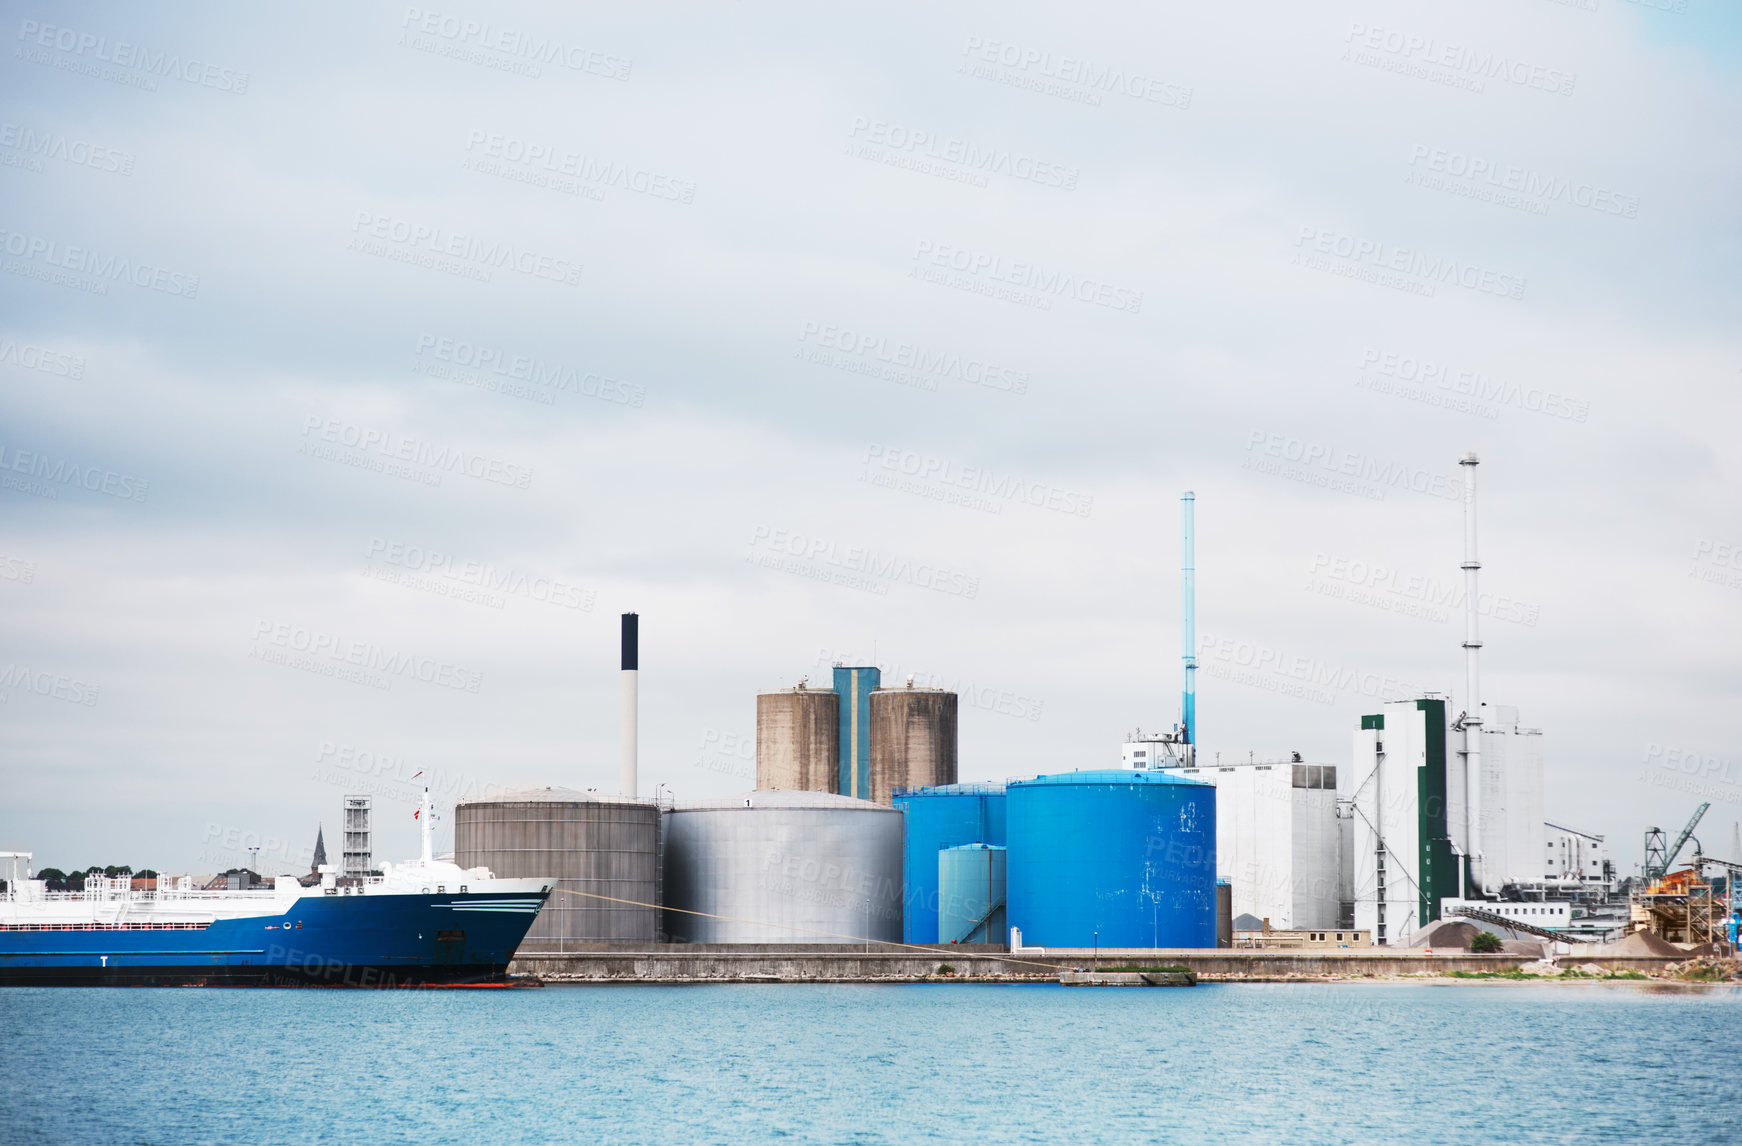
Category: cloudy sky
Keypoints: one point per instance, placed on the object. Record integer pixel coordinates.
(359, 365)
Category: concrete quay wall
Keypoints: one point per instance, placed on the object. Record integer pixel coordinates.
(730, 963)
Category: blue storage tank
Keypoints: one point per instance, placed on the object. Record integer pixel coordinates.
(1119, 858)
(971, 894)
(937, 818)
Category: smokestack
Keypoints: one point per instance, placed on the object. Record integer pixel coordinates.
(631, 668)
(1472, 684)
(1188, 706)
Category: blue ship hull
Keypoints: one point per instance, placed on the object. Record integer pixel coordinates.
(347, 941)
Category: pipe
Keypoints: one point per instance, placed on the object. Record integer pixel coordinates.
(1189, 625)
(1472, 686)
(631, 662)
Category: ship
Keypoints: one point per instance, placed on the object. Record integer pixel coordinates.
(419, 923)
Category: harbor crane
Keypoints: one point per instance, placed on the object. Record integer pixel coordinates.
(1657, 856)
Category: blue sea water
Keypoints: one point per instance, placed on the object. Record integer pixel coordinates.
(1418, 1064)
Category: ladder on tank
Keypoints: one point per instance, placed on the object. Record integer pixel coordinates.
(981, 922)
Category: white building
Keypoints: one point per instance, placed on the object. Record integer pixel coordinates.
(1577, 861)
(1552, 916)
(1278, 842)
(1156, 750)
(1402, 860)
(1511, 831)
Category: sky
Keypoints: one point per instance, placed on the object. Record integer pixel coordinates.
(360, 364)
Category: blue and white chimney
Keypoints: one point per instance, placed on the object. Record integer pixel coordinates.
(1188, 709)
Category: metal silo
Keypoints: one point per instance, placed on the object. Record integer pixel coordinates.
(798, 740)
(783, 867)
(1115, 858)
(913, 739)
(601, 845)
(971, 894)
(938, 818)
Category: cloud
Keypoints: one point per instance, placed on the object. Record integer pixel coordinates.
(643, 330)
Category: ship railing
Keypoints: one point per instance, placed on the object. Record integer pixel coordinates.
(177, 896)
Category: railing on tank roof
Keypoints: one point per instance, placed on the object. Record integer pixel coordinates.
(971, 788)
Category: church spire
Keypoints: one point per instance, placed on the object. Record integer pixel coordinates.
(320, 851)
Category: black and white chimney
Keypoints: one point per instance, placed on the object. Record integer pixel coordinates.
(631, 661)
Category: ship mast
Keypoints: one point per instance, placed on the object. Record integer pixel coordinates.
(426, 816)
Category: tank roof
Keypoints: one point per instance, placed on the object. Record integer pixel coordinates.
(970, 788)
(780, 798)
(549, 796)
(974, 848)
(1121, 776)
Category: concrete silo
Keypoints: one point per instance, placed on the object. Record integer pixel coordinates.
(1112, 858)
(604, 846)
(783, 867)
(913, 740)
(798, 746)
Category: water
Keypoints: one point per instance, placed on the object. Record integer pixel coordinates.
(951, 1063)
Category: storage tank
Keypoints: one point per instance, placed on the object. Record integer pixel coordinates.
(971, 894)
(938, 818)
(600, 845)
(783, 867)
(1118, 858)
(913, 740)
(1224, 913)
(798, 740)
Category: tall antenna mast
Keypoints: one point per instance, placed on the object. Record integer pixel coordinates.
(1472, 721)
(1188, 709)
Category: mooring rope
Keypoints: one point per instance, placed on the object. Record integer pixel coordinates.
(933, 951)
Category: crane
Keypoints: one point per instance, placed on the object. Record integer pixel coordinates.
(1657, 856)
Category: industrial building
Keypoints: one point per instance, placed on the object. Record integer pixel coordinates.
(1251, 934)
(1577, 862)
(1512, 848)
(858, 830)
(1401, 857)
(783, 867)
(1448, 812)
(1279, 841)
(604, 852)
(1553, 916)
(857, 739)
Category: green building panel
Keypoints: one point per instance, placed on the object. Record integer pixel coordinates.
(1440, 878)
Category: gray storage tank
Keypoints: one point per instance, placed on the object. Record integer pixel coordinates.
(604, 846)
(783, 867)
